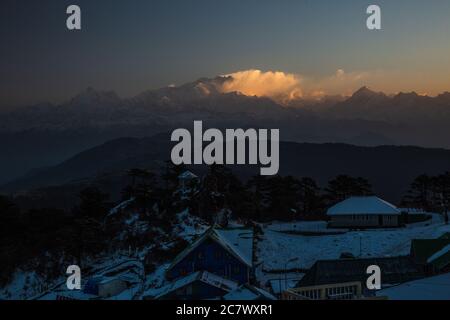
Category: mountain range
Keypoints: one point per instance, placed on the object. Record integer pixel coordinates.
(46, 134)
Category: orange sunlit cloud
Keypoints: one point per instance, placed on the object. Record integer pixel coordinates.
(284, 87)
(277, 85)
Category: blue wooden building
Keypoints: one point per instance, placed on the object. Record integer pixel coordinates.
(226, 253)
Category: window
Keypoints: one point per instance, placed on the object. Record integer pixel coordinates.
(237, 270)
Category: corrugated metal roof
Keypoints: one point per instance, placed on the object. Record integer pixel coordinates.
(394, 270)
(423, 249)
(441, 258)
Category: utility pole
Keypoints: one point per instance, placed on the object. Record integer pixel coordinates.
(285, 272)
(444, 203)
(360, 245)
(446, 214)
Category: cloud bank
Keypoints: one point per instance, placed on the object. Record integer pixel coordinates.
(284, 87)
(277, 85)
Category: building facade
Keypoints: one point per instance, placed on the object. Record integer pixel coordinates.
(227, 254)
(364, 212)
(338, 291)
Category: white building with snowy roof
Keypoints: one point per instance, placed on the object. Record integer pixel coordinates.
(364, 212)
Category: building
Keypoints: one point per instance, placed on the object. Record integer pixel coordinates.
(187, 180)
(96, 288)
(67, 295)
(105, 287)
(338, 291)
(432, 288)
(204, 285)
(414, 215)
(248, 292)
(394, 270)
(218, 265)
(199, 285)
(226, 253)
(432, 254)
(364, 212)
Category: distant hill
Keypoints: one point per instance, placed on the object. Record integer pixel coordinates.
(389, 168)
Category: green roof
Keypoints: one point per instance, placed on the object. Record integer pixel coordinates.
(423, 249)
(442, 260)
(445, 236)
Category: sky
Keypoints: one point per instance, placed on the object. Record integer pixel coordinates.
(135, 45)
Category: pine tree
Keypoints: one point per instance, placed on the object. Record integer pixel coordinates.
(441, 192)
(420, 194)
(343, 187)
(89, 236)
(310, 199)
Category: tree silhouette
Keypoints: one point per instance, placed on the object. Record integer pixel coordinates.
(343, 187)
(258, 201)
(310, 198)
(9, 217)
(220, 189)
(171, 174)
(88, 232)
(420, 194)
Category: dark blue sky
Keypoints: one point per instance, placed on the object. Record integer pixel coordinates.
(130, 46)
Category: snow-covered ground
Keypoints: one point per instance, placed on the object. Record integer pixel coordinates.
(23, 285)
(123, 266)
(189, 226)
(433, 288)
(279, 245)
(27, 285)
(292, 247)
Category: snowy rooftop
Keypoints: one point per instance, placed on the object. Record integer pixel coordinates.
(434, 288)
(363, 205)
(249, 293)
(413, 211)
(120, 207)
(202, 276)
(237, 241)
(187, 175)
(75, 295)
